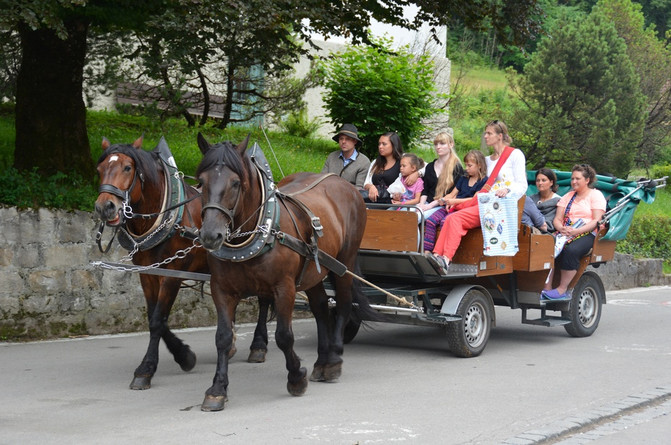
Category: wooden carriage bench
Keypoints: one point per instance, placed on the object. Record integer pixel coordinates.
(392, 248)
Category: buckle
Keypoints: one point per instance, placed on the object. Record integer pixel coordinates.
(317, 225)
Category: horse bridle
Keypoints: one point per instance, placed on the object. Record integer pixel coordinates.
(124, 195)
(230, 213)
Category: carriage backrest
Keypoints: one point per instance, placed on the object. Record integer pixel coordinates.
(390, 230)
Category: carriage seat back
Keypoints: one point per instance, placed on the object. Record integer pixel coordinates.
(390, 230)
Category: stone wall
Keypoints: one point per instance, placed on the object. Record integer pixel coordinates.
(49, 289)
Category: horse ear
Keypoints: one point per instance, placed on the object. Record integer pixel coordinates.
(242, 146)
(138, 142)
(106, 143)
(202, 143)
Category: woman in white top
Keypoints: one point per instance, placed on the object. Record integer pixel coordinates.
(511, 180)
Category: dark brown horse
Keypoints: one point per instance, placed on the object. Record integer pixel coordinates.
(134, 182)
(312, 209)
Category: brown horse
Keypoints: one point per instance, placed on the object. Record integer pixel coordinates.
(134, 182)
(236, 208)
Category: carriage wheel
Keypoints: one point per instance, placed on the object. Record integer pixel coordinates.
(468, 337)
(585, 307)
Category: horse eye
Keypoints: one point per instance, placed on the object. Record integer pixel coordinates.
(235, 184)
(127, 168)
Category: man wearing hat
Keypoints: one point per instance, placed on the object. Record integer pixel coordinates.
(347, 162)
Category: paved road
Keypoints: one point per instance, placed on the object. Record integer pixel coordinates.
(399, 384)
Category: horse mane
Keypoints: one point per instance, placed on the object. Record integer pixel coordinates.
(225, 153)
(145, 161)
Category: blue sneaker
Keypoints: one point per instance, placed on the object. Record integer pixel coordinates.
(554, 295)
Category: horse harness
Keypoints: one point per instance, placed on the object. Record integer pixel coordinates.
(268, 224)
(167, 219)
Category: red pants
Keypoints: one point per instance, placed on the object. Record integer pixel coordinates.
(454, 228)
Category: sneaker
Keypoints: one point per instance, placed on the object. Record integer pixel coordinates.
(554, 295)
(438, 262)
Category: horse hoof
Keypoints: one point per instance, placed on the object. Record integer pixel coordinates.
(141, 382)
(213, 403)
(189, 360)
(257, 356)
(232, 352)
(317, 374)
(298, 388)
(332, 372)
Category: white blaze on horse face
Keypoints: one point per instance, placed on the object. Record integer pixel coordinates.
(113, 158)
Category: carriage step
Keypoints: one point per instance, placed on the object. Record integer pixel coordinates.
(544, 320)
(548, 321)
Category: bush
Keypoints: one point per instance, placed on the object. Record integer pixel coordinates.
(379, 90)
(649, 237)
(29, 189)
(659, 171)
(298, 124)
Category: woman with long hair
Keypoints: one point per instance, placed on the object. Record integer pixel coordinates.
(441, 174)
(386, 168)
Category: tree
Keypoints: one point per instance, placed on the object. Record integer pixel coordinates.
(652, 61)
(378, 90)
(50, 111)
(581, 99)
(186, 60)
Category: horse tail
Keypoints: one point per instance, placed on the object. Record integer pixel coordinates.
(361, 309)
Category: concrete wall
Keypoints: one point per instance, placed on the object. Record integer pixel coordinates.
(49, 289)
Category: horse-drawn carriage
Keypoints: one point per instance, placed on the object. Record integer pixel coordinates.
(410, 290)
(323, 229)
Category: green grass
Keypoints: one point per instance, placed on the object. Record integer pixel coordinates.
(482, 78)
(28, 189)
(294, 154)
(660, 207)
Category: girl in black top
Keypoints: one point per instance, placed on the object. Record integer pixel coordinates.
(441, 175)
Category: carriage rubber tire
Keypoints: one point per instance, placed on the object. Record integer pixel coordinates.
(585, 307)
(468, 337)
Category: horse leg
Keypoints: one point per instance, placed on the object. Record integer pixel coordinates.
(215, 396)
(181, 352)
(157, 315)
(343, 297)
(328, 366)
(297, 381)
(259, 347)
(145, 371)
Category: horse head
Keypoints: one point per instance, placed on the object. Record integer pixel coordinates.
(122, 170)
(225, 173)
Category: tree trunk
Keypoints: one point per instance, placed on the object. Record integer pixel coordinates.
(50, 112)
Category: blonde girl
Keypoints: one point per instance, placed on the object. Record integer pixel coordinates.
(465, 188)
(441, 174)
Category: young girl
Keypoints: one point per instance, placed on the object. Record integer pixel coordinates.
(465, 188)
(441, 174)
(410, 163)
